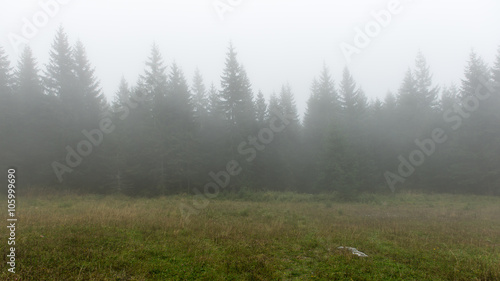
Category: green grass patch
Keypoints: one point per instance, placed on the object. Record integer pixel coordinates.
(268, 236)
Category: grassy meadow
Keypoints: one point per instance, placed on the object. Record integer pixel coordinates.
(266, 236)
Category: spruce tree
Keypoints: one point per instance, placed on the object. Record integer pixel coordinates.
(495, 104)
(214, 139)
(476, 75)
(87, 85)
(153, 83)
(200, 99)
(288, 141)
(236, 94)
(60, 84)
(427, 93)
(97, 168)
(328, 98)
(261, 109)
(122, 96)
(390, 101)
(247, 106)
(122, 107)
(36, 129)
(144, 143)
(338, 169)
(470, 164)
(274, 105)
(354, 127)
(493, 182)
(353, 100)
(59, 74)
(178, 99)
(237, 103)
(5, 75)
(496, 69)
(8, 112)
(322, 115)
(28, 85)
(407, 94)
(322, 106)
(214, 102)
(231, 92)
(410, 113)
(449, 97)
(179, 144)
(287, 102)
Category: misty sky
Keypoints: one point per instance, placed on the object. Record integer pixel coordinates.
(278, 41)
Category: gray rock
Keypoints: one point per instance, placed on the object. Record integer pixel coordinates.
(354, 251)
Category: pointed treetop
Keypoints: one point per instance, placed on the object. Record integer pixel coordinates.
(327, 94)
(449, 97)
(27, 80)
(86, 81)
(122, 96)
(496, 68)
(261, 108)
(153, 83)
(155, 66)
(353, 100)
(200, 99)
(273, 104)
(428, 94)
(390, 101)
(59, 73)
(475, 71)
(177, 83)
(287, 101)
(236, 93)
(214, 102)
(5, 73)
(407, 90)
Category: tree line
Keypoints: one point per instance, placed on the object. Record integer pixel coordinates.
(166, 135)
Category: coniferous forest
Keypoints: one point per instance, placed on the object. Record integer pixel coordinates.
(163, 134)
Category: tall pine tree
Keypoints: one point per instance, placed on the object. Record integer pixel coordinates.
(36, 126)
(8, 112)
(200, 99)
(427, 93)
(87, 85)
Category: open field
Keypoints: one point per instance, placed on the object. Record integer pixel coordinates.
(273, 236)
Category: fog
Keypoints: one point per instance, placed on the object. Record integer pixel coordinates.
(154, 98)
(250, 140)
(277, 41)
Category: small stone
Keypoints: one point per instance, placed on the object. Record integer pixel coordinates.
(354, 251)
